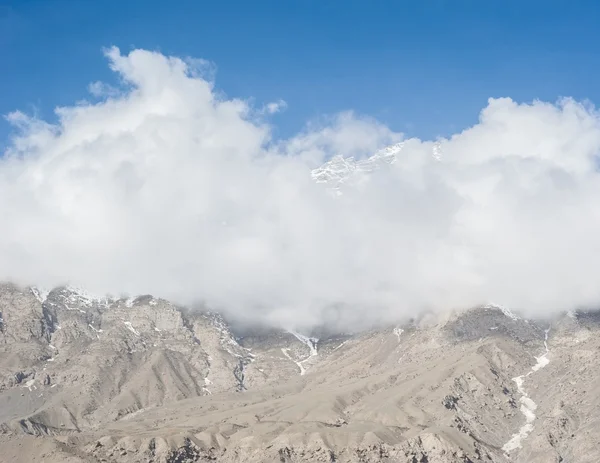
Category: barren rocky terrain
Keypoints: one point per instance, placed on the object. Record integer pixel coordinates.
(84, 379)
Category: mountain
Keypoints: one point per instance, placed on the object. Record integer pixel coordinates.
(85, 379)
(340, 170)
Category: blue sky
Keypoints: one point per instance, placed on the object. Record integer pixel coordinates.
(424, 67)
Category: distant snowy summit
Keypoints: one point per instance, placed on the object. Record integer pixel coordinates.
(347, 171)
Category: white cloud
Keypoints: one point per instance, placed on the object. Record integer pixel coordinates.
(172, 189)
(274, 107)
(101, 89)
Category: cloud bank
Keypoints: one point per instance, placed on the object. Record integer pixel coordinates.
(165, 186)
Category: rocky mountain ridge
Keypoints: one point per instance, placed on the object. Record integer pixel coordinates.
(340, 170)
(119, 380)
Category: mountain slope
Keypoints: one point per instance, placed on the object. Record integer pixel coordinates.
(143, 380)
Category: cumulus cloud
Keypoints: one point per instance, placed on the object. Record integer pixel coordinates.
(170, 188)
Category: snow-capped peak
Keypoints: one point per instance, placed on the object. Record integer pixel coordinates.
(505, 310)
(340, 170)
(83, 297)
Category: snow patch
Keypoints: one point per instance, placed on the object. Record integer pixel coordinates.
(82, 297)
(285, 350)
(505, 310)
(41, 294)
(95, 330)
(29, 384)
(528, 406)
(341, 171)
(336, 348)
(398, 331)
(227, 340)
(131, 328)
(311, 343)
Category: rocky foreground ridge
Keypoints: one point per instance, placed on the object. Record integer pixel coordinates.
(84, 379)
